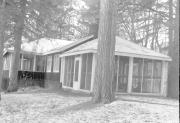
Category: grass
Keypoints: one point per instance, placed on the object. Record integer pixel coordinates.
(37, 105)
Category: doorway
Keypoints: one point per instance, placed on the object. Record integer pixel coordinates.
(76, 77)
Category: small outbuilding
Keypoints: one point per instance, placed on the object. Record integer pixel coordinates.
(138, 69)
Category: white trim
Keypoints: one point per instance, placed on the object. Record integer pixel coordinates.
(152, 75)
(130, 75)
(142, 79)
(34, 63)
(76, 84)
(11, 59)
(119, 54)
(164, 77)
(142, 56)
(62, 70)
(93, 71)
(117, 79)
(22, 61)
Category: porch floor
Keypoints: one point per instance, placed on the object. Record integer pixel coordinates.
(45, 105)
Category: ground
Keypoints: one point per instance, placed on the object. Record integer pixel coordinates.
(47, 106)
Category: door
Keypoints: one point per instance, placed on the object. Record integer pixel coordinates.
(76, 77)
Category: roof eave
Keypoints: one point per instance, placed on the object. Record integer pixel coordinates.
(118, 53)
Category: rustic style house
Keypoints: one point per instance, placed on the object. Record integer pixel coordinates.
(138, 69)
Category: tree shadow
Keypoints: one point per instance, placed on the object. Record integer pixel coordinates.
(81, 106)
(57, 91)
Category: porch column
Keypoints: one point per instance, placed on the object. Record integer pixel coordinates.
(164, 78)
(93, 71)
(10, 62)
(34, 63)
(62, 70)
(22, 61)
(130, 75)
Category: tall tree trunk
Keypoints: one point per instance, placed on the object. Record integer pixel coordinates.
(105, 54)
(2, 26)
(174, 64)
(170, 30)
(13, 84)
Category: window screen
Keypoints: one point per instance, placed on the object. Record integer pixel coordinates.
(56, 63)
(76, 70)
(49, 64)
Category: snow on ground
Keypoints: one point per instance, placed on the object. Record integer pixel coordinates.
(46, 106)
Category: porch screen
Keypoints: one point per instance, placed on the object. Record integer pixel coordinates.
(49, 64)
(6, 65)
(123, 73)
(27, 64)
(76, 70)
(69, 71)
(86, 71)
(148, 76)
(56, 63)
(137, 75)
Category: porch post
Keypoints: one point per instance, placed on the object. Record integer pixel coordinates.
(130, 75)
(80, 69)
(62, 70)
(93, 71)
(10, 63)
(164, 78)
(22, 61)
(34, 63)
(117, 77)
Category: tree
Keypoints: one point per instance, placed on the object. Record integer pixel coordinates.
(2, 23)
(173, 77)
(105, 54)
(18, 30)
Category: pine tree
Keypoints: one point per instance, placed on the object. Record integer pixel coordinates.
(105, 54)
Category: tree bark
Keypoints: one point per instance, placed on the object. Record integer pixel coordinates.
(173, 78)
(2, 26)
(103, 91)
(19, 19)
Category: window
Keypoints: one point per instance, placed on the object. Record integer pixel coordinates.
(6, 62)
(76, 70)
(49, 63)
(147, 76)
(86, 71)
(26, 64)
(69, 71)
(157, 77)
(56, 63)
(137, 75)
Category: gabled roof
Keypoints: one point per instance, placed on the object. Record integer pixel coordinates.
(123, 48)
(70, 46)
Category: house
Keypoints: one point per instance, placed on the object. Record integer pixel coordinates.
(32, 58)
(138, 70)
